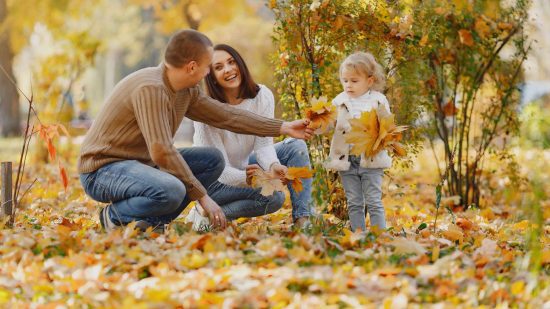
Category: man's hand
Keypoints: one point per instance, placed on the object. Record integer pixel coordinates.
(250, 172)
(278, 170)
(297, 129)
(213, 211)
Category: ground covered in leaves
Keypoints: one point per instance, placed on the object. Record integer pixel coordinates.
(57, 255)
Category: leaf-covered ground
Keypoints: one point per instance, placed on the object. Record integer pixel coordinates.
(57, 256)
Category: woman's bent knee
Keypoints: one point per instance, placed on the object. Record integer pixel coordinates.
(275, 202)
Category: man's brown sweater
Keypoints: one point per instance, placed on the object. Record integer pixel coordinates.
(141, 116)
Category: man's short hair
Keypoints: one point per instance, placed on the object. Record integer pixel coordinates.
(186, 46)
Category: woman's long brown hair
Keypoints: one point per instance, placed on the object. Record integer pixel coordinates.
(248, 89)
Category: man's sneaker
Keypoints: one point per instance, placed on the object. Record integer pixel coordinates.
(196, 215)
(108, 225)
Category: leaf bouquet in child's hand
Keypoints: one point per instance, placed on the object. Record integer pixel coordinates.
(374, 131)
(321, 114)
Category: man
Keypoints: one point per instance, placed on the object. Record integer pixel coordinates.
(128, 158)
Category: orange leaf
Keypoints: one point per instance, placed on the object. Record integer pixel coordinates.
(199, 244)
(321, 114)
(464, 224)
(51, 148)
(466, 37)
(482, 27)
(64, 177)
(450, 109)
(295, 175)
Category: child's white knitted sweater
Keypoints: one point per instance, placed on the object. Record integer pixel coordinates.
(347, 109)
(236, 148)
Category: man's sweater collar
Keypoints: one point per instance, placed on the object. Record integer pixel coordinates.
(165, 78)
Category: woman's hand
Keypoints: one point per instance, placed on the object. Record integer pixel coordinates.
(250, 172)
(297, 129)
(278, 170)
(213, 211)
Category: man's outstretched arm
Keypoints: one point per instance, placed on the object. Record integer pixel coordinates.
(212, 112)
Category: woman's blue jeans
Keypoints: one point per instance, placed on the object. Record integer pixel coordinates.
(237, 202)
(141, 192)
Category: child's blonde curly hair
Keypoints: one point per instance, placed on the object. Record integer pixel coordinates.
(364, 63)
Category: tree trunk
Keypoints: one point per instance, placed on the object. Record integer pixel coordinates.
(9, 98)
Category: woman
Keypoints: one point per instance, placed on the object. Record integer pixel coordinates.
(230, 82)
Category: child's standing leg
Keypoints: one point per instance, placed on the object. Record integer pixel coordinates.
(372, 189)
(351, 180)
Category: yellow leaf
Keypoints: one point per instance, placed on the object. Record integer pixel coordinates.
(521, 225)
(295, 175)
(374, 131)
(435, 253)
(321, 114)
(157, 295)
(423, 40)
(453, 233)
(4, 296)
(482, 27)
(363, 134)
(195, 261)
(517, 287)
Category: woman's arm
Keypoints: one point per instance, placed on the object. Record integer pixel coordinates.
(263, 146)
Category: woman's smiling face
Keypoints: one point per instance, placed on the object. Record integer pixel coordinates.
(225, 70)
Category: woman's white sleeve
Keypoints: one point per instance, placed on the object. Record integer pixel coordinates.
(263, 146)
(206, 135)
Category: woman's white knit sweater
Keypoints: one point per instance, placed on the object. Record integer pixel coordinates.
(236, 148)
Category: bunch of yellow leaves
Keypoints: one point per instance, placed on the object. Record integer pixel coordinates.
(295, 176)
(374, 131)
(321, 114)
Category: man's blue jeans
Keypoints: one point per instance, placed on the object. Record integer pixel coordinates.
(141, 192)
(237, 202)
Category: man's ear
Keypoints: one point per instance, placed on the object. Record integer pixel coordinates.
(192, 66)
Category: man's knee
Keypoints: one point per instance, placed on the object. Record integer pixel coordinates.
(173, 195)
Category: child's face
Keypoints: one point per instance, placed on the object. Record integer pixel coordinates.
(354, 83)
